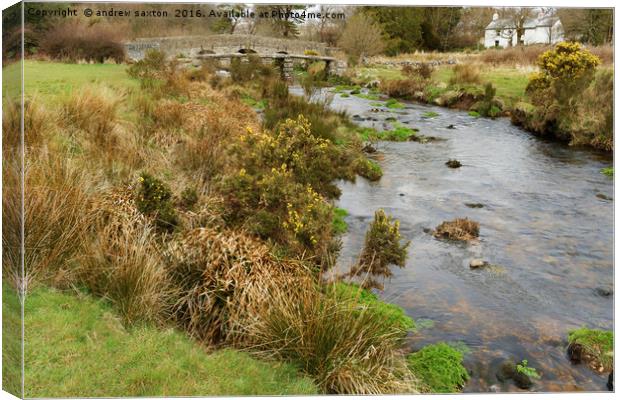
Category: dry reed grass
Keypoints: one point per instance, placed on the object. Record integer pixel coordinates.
(465, 74)
(57, 199)
(123, 260)
(223, 278)
(458, 229)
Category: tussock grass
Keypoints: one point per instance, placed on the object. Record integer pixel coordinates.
(92, 109)
(57, 204)
(123, 264)
(465, 74)
(346, 348)
(222, 277)
(458, 229)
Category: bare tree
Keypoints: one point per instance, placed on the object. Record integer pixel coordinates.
(362, 37)
(516, 17)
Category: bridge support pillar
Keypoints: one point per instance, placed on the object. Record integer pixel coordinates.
(287, 68)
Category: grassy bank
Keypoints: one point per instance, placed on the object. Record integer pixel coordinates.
(50, 78)
(76, 346)
(571, 106)
(162, 192)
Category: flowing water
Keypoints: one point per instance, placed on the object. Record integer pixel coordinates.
(546, 225)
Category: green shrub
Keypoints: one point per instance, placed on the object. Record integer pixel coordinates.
(154, 198)
(369, 169)
(382, 248)
(189, 197)
(439, 366)
(530, 372)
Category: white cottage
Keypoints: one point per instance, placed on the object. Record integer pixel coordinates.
(503, 32)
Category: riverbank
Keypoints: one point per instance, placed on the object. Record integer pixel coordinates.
(492, 90)
(152, 182)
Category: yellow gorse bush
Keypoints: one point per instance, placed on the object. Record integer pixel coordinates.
(567, 60)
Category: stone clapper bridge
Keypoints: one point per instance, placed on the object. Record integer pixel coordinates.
(283, 53)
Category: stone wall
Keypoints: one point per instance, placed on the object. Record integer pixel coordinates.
(190, 46)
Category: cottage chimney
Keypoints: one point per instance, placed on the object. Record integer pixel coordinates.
(495, 17)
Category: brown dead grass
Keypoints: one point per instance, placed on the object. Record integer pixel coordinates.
(224, 277)
(464, 74)
(458, 229)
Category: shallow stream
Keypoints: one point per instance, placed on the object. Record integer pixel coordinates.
(546, 225)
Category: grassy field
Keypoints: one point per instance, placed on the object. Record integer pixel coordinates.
(510, 82)
(100, 358)
(58, 78)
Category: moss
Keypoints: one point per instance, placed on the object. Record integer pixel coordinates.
(345, 95)
(393, 103)
(609, 171)
(474, 114)
(400, 133)
(596, 345)
(339, 225)
(440, 367)
(430, 114)
(367, 96)
(391, 313)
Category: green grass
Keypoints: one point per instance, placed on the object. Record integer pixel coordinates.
(339, 225)
(11, 341)
(76, 347)
(430, 114)
(367, 74)
(509, 82)
(391, 313)
(609, 171)
(51, 78)
(400, 133)
(393, 103)
(474, 114)
(368, 169)
(597, 343)
(440, 367)
(367, 96)
(250, 101)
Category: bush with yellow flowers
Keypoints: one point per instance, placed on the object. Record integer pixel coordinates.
(282, 186)
(569, 98)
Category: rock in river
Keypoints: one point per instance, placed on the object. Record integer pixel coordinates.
(477, 263)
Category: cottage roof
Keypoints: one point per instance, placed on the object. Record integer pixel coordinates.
(531, 23)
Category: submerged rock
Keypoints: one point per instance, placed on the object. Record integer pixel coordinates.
(474, 205)
(604, 291)
(451, 126)
(603, 197)
(508, 371)
(369, 148)
(454, 163)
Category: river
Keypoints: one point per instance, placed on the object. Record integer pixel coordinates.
(546, 225)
